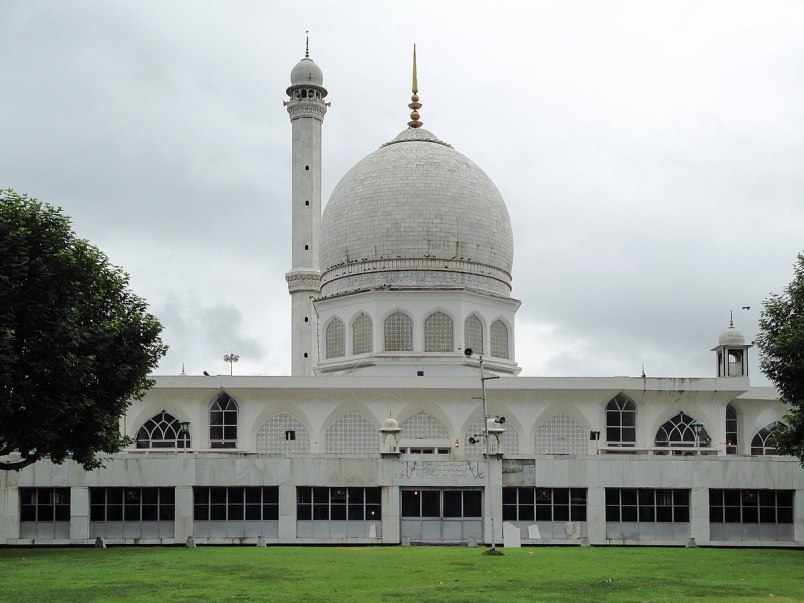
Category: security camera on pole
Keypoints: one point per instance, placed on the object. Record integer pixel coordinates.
(491, 426)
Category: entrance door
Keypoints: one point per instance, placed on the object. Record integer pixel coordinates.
(442, 515)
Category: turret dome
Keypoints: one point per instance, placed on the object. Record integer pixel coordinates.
(306, 73)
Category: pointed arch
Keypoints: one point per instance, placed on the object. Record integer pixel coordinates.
(335, 339)
(398, 332)
(560, 434)
(499, 339)
(423, 426)
(473, 334)
(679, 431)
(282, 433)
(439, 333)
(352, 433)
(162, 431)
(621, 421)
(223, 415)
(362, 335)
(761, 443)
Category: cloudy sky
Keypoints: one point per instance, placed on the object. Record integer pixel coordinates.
(651, 155)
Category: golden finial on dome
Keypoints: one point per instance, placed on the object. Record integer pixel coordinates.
(415, 105)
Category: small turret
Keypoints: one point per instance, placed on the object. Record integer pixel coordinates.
(732, 353)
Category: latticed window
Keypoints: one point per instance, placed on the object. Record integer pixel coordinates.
(422, 426)
(162, 431)
(398, 333)
(761, 444)
(679, 431)
(509, 441)
(731, 430)
(438, 333)
(621, 421)
(223, 422)
(362, 335)
(473, 334)
(352, 434)
(499, 339)
(282, 433)
(336, 339)
(561, 434)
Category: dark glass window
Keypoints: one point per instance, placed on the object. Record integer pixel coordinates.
(647, 505)
(551, 504)
(223, 422)
(131, 504)
(621, 421)
(731, 430)
(236, 503)
(762, 442)
(162, 431)
(679, 431)
(44, 504)
(450, 503)
(338, 504)
(751, 506)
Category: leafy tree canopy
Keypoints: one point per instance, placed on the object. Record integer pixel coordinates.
(781, 341)
(76, 345)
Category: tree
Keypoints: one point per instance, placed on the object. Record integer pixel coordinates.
(76, 345)
(781, 341)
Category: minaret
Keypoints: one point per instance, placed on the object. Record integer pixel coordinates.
(732, 352)
(306, 108)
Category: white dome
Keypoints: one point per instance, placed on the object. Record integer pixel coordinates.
(416, 214)
(731, 337)
(306, 73)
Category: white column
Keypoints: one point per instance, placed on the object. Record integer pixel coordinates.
(10, 507)
(596, 515)
(699, 515)
(391, 515)
(79, 515)
(798, 516)
(183, 526)
(287, 514)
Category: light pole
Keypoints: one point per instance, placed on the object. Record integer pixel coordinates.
(184, 428)
(231, 359)
(486, 418)
(697, 427)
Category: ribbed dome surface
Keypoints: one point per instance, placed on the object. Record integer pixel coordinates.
(416, 198)
(306, 73)
(731, 337)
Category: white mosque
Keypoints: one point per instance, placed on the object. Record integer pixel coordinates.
(404, 420)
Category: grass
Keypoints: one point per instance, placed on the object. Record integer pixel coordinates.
(400, 573)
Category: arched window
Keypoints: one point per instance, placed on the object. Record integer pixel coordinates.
(679, 431)
(336, 339)
(398, 333)
(621, 421)
(731, 430)
(362, 335)
(282, 433)
(561, 434)
(352, 434)
(499, 339)
(223, 422)
(438, 333)
(162, 431)
(761, 443)
(473, 334)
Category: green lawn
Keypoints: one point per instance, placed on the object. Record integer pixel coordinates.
(399, 574)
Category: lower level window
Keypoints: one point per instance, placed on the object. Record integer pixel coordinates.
(44, 504)
(131, 504)
(751, 506)
(236, 503)
(442, 503)
(544, 504)
(320, 503)
(647, 505)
